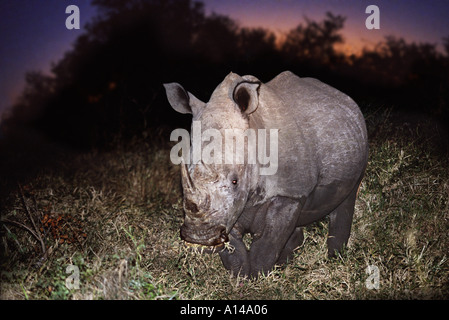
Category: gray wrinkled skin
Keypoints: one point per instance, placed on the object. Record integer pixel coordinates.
(323, 153)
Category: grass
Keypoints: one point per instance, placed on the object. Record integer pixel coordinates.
(120, 213)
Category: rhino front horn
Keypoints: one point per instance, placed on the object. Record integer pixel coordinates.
(187, 182)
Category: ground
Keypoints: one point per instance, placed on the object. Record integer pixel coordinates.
(114, 217)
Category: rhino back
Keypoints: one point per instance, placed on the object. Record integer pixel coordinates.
(322, 135)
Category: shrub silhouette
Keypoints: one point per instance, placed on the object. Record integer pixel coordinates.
(109, 84)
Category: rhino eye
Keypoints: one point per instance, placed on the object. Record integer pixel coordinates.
(234, 181)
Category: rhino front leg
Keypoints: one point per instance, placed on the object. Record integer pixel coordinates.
(279, 227)
(235, 259)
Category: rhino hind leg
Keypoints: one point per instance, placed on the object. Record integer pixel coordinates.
(340, 224)
(295, 240)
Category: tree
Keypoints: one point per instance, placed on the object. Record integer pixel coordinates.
(255, 43)
(446, 45)
(315, 42)
(33, 99)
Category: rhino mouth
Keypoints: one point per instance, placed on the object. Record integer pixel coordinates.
(204, 249)
(209, 241)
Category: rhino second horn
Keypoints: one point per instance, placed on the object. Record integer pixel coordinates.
(207, 170)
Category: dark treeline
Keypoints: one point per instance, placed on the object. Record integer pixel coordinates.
(110, 83)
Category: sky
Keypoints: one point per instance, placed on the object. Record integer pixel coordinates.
(32, 37)
(33, 33)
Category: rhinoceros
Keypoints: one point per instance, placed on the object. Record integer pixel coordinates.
(322, 155)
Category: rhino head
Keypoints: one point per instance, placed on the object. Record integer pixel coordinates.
(215, 194)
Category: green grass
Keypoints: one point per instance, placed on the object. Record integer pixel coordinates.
(128, 203)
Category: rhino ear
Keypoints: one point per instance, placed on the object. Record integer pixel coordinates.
(181, 100)
(246, 96)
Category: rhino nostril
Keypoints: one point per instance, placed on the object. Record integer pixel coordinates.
(190, 206)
